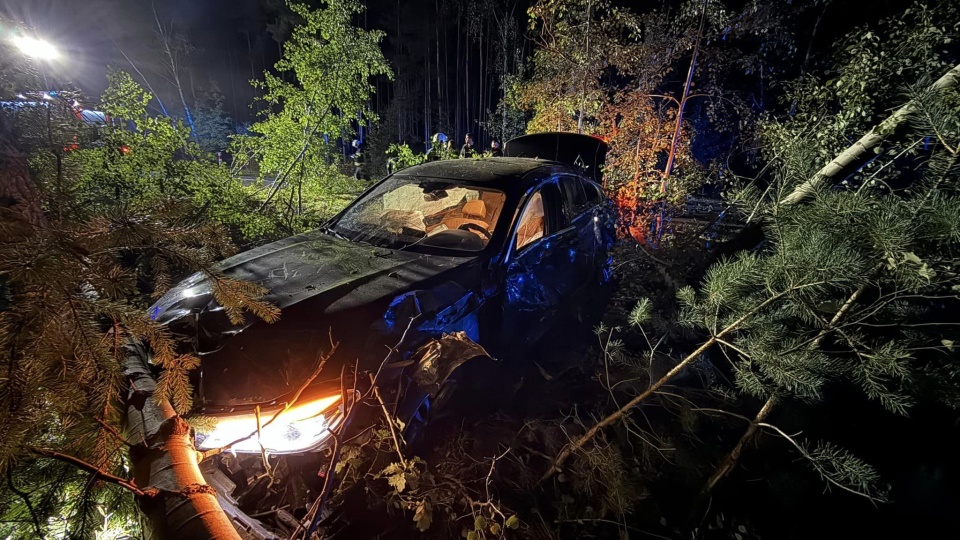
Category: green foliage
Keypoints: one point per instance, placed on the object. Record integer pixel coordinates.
(567, 77)
(600, 475)
(510, 119)
(332, 62)
(124, 99)
(116, 222)
(873, 68)
(641, 312)
(72, 506)
(870, 250)
(840, 466)
(140, 159)
(401, 157)
(844, 291)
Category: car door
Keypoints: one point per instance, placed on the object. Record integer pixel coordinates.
(580, 215)
(540, 275)
(603, 228)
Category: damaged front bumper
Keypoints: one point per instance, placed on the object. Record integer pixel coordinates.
(271, 495)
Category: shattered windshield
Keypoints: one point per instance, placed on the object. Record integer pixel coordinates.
(412, 211)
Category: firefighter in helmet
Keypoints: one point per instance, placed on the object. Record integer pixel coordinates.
(359, 161)
(437, 144)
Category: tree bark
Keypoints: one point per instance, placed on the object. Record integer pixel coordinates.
(174, 71)
(863, 148)
(181, 504)
(17, 191)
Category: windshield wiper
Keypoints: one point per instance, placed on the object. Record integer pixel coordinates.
(328, 230)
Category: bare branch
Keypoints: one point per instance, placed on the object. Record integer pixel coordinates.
(97, 472)
(390, 423)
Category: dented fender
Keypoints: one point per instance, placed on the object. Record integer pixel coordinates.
(432, 365)
(438, 359)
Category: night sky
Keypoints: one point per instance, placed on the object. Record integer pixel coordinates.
(233, 45)
(91, 34)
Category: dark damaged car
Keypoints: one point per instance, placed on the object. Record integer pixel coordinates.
(433, 282)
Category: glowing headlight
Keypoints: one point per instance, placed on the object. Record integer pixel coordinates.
(303, 427)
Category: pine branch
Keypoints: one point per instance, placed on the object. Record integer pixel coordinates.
(729, 461)
(113, 431)
(824, 473)
(97, 472)
(26, 500)
(572, 447)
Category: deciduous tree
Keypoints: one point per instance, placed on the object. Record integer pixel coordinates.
(323, 88)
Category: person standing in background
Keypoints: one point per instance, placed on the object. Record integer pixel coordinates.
(467, 150)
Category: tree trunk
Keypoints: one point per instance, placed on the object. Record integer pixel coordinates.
(436, 32)
(456, 94)
(174, 72)
(863, 148)
(468, 124)
(17, 191)
(586, 69)
(672, 156)
(677, 129)
(181, 504)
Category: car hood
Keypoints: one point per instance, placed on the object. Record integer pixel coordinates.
(300, 268)
(321, 284)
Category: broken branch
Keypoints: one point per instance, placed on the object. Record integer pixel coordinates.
(390, 421)
(622, 412)
(865, 145)
(97, 472)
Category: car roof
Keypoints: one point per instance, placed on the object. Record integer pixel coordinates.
(507, 174)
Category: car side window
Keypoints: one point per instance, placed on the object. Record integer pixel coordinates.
(574, 198)
(592, 192)
(532, 224)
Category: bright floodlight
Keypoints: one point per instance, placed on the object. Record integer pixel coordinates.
(36, 48)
